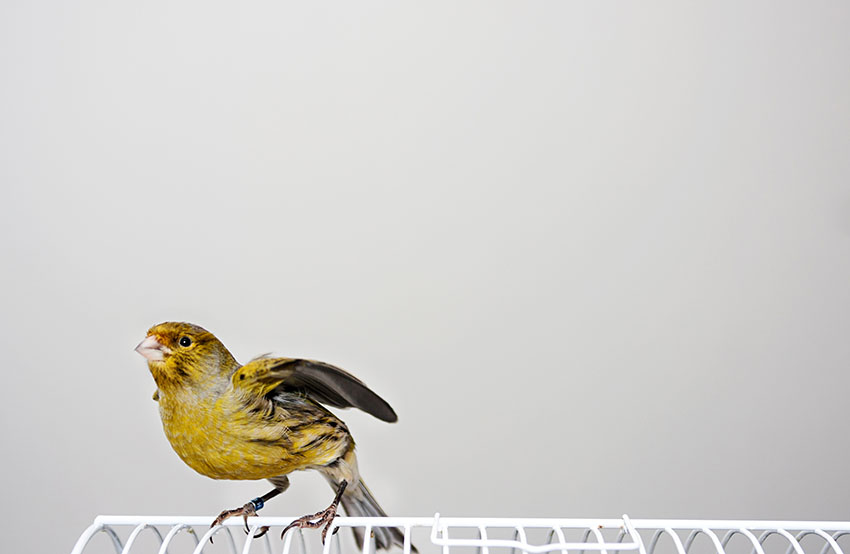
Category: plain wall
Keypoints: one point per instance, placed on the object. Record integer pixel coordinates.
(596, 255)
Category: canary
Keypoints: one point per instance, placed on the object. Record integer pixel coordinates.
(262, 420)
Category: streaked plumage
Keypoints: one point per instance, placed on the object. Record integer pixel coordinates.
(262, 420)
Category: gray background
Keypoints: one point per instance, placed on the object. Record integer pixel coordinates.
(594, 254)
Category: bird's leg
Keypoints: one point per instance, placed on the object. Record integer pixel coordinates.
(325, 517)
(248, 510)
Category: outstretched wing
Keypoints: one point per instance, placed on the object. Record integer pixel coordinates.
(321, 382)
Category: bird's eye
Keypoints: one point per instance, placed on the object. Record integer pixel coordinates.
(185, 341)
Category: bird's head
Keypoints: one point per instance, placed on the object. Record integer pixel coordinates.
(181, 352)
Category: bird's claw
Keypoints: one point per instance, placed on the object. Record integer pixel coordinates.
(319, 519)
(260, 532)
(246, 511)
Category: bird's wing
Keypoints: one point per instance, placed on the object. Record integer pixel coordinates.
(321, 382)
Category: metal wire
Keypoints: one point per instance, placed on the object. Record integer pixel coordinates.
(443, 535)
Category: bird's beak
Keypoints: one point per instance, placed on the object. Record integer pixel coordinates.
(152, 349)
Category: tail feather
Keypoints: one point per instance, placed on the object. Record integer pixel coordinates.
(359, 502)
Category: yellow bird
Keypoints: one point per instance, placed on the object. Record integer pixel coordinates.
(262, 420)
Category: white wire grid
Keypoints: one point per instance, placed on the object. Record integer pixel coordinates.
(444, 535)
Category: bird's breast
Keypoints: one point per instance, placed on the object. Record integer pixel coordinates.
(222, 438)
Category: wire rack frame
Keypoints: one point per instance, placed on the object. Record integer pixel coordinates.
(447, 534)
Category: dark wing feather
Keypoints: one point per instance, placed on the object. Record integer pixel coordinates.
(330, 385)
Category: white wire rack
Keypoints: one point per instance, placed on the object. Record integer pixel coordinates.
(444, 535)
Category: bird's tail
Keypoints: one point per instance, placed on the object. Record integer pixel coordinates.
(357, 501)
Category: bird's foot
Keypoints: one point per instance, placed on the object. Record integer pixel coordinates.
(325, 517)
(319, 519)
(246, 511)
